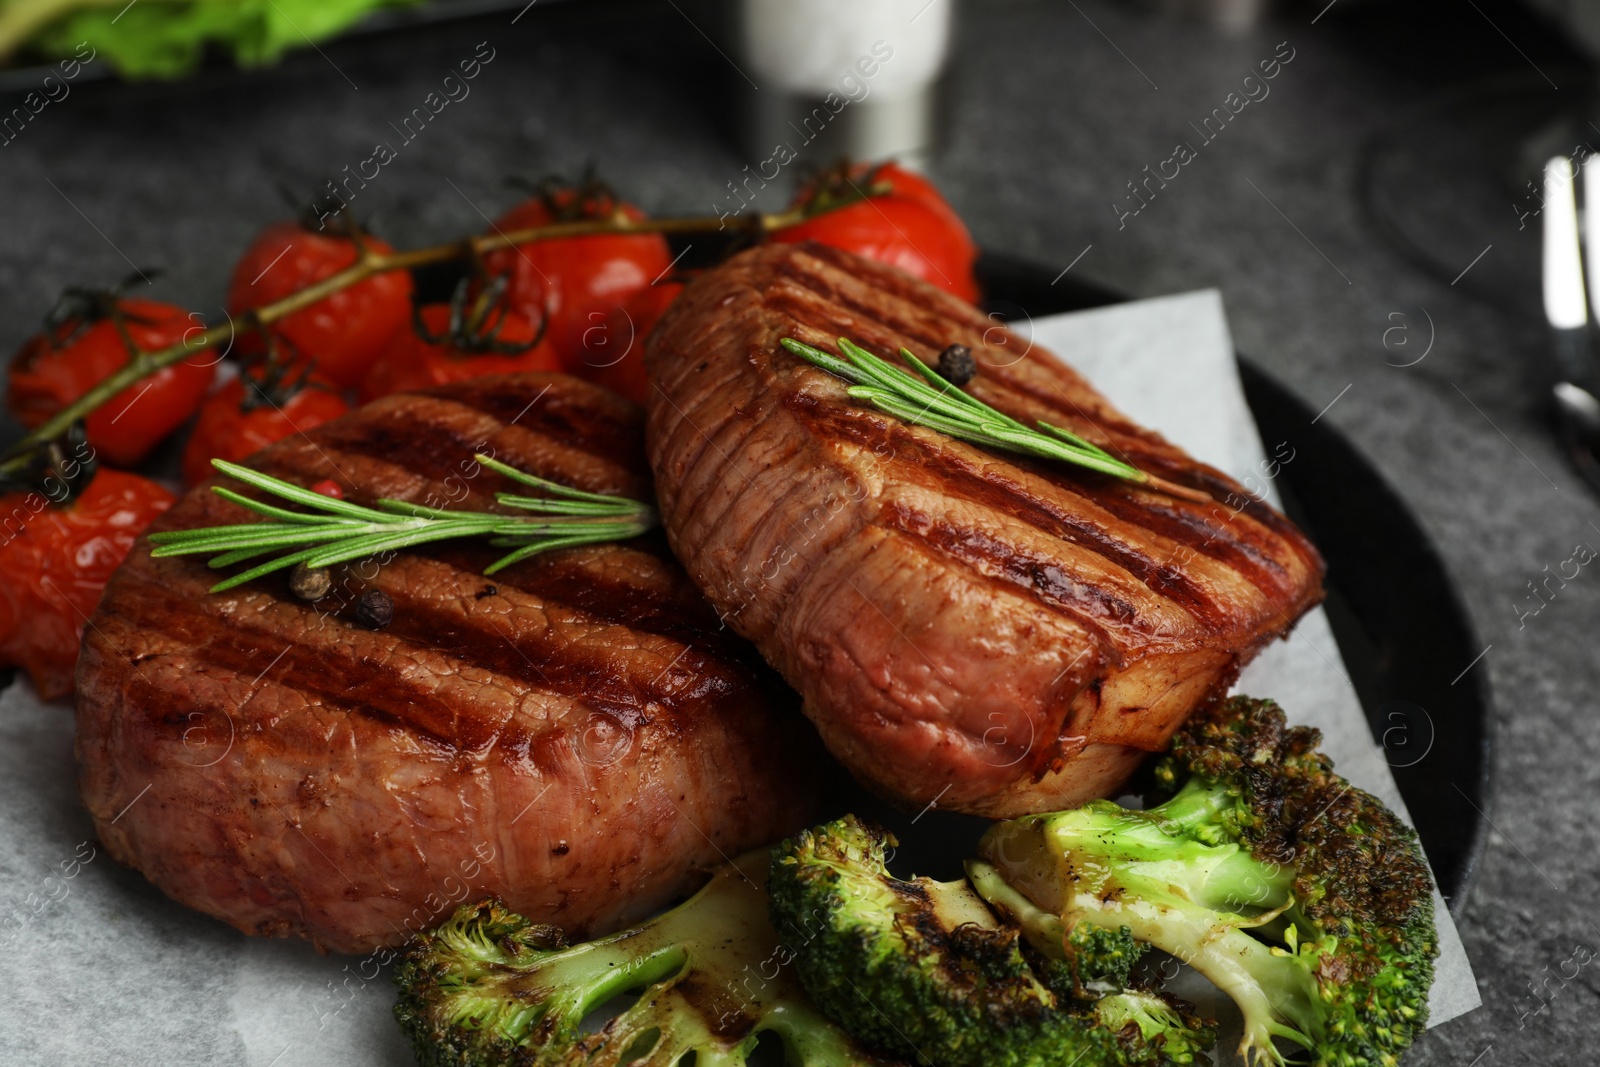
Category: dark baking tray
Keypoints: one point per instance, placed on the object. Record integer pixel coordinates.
(1401, 626)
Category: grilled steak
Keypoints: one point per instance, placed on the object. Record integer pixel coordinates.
(989, 632)
(577, 734)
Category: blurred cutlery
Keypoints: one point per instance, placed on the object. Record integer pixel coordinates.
(1577, 409)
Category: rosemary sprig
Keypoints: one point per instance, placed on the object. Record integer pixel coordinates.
(337, 531)
(932, 401)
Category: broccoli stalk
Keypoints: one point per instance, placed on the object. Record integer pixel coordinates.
(1302, 898)
(489, 987)
(1105, 866)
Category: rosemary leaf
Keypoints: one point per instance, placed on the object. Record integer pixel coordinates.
(552, 487)
(228, 559)
(374, 544)
(545, 546)
(419, 511)
(266, 568)
(1070, 437)
(290, 491)
(543, 505)
(245, 535)
(830, 363)
(263, 508)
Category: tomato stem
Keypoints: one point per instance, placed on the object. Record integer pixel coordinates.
(366, 265)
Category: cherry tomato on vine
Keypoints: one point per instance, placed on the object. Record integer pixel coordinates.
(246, 414)
(910, 226)
(343, 333)
(453, 342)
(56, 560)
(575, 282)
(908, 185)
(613, 355)
(85, 341)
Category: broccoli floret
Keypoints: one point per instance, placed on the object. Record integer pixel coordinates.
(488, 987)
(1304, 899)
(1164, 1022)
(924, 969)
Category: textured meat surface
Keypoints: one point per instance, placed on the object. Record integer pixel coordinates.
(987, 631)
(577, 735)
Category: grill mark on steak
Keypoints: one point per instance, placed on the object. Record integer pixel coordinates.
(883, 318)
(587, 672)
(908, 290)
(957, 476)
(423, 719)
(1259, 510)
(362, 447)
(343, 661)
(1041, 577)
(331, 671)
(568, 581)
(1214, 535)
(612, 431)
(1216, 538)
(420, 444)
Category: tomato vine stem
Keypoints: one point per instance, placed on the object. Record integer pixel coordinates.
(367, 264)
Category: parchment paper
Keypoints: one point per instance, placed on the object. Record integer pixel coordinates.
(102, 968)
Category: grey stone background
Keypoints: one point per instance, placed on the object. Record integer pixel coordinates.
(1054, 107)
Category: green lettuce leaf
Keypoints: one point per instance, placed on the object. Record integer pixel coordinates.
(167, 38)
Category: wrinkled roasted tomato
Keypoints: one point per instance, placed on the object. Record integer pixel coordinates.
(56, 559)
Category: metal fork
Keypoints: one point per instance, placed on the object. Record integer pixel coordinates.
(1577, 408)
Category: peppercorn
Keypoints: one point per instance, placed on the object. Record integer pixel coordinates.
(310, 583)
(957, 366)
(374, 609)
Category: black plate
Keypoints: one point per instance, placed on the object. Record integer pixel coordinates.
(1402, 629)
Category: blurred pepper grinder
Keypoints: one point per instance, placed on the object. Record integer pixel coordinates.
(856, 78)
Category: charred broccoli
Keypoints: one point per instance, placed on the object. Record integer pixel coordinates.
(924, 969)
(1304, 899)
(1301, 897)
(488, 987)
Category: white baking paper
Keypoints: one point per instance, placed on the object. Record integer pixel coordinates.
(101, 968)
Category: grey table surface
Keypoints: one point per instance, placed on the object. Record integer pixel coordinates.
(1054, 109)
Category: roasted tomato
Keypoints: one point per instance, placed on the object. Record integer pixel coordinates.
(344, 333)
(613, 354)
(266, 403)
(892, 215)
(459, 340)
(574, 283)
(56, 559)
(84, 342)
